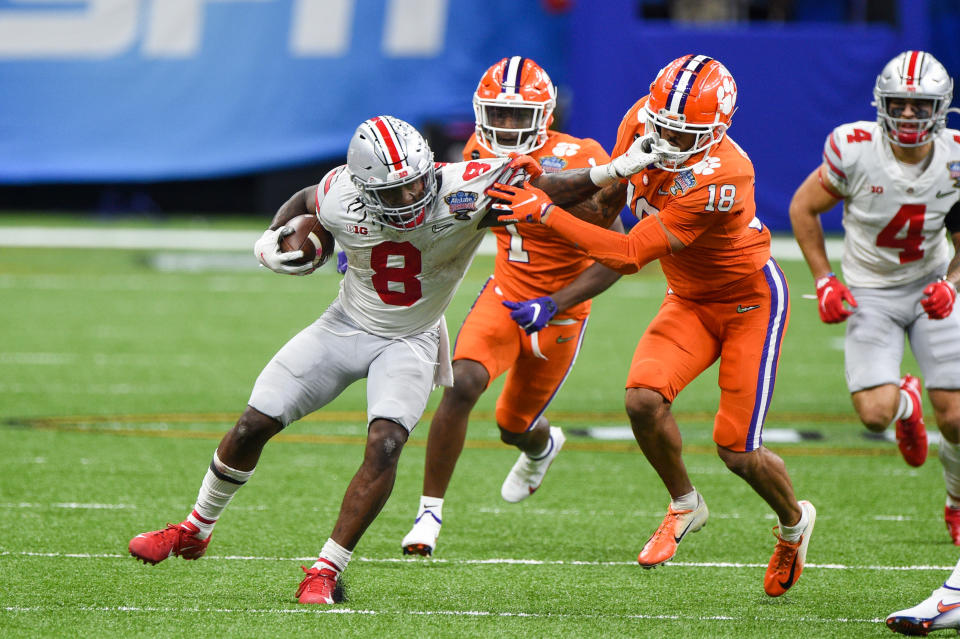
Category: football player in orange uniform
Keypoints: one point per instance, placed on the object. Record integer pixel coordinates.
(535, 342)
(692, 187)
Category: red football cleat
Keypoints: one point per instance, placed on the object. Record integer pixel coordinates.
(911, 432)
(952, 518)
(176, 539)
(319, 587)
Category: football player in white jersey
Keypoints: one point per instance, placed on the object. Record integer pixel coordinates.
(410, 228)
(899, 180)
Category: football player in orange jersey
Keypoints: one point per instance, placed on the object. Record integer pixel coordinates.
(727, 298)
(535, 342)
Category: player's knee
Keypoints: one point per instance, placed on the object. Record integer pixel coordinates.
(469, 381)
(738, 462)
(253, 429)
(874, 418)
(385, 440)
(645, 407)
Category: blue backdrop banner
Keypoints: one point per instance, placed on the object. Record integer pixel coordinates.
(104, 90)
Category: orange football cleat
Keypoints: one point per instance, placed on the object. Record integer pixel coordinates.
(789, 557)
(662, 545)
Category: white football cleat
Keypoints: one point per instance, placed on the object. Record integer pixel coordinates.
(527, 474)
(939, 611)
(422, 538)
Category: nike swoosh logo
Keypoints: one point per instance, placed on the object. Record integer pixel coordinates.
(561, 340)
(536, 314)
(942, 607)
(684, 533)
(793, 569)
(662, 192)
(439, 227)
(744, 309)
(945, 193)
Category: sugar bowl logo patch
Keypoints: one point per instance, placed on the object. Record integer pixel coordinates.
(954, 168)
(552, 164)
(682, 182)
(461, 204)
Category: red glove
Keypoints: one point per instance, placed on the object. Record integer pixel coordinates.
(524, 204)
(831, 294)
(527, 163)
(939, 299)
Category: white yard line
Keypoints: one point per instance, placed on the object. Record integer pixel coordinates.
(316, 610)
(495, 560)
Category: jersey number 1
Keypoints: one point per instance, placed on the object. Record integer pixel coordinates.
(405, 276)
(911, 216)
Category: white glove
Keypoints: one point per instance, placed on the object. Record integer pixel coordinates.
(639, 156)
(267, 250)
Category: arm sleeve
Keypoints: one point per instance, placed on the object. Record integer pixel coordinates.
(623, 253)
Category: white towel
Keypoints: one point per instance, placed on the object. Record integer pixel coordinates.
(443, 376)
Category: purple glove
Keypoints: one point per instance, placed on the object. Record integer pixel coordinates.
(341, 262)
(532, 315)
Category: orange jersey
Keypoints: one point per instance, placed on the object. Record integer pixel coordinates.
(709, 208)
(533, 261)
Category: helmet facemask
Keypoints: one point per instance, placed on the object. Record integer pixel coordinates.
(674, 158)
(400, 203)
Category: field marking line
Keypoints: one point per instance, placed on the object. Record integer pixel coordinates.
(492, 561)
(315, 610)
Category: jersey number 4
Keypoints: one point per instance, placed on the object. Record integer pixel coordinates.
(403, 277)
(910, 216)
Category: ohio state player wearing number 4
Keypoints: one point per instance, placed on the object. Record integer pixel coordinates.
(530, 317)
(410, 229)
(899, 179)
(727, 298)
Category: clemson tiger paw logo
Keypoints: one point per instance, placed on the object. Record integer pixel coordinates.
(726, 95)
(707, 166)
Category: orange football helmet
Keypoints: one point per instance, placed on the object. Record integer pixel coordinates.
(514, 104)
(693, 94)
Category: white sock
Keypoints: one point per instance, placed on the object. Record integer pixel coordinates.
(793, 533)
(432, 504)
(950, 459)
(333, 556)
(954, 580)
(686, 502)
(219, 486)
(904, 407)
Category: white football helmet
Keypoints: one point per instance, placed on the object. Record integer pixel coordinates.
(915, 75)
(392, 167)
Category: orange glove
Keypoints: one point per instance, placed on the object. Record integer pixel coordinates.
(527, 163)
(831, 294)
(523, 204)
(939, 299)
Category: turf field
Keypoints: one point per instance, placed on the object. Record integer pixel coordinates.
(120, 370)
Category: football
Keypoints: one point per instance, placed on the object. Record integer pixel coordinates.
(310, 237)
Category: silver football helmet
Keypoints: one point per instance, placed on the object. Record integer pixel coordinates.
(913, 75)
(392, 167)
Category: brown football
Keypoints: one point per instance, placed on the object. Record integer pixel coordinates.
(310, 237)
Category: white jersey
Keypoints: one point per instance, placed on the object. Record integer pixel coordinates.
(893, 220)
(400, 282)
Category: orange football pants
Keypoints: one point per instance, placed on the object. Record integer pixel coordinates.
(538, 364)
(744, 330)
